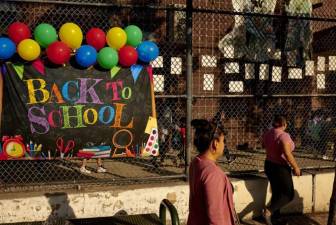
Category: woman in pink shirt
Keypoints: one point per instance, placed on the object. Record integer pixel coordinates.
(279, 160)
(211, 194)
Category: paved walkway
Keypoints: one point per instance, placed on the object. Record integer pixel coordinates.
(306, 219)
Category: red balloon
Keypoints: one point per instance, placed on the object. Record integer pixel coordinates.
(58, 52)
(127, 56)
(18, 31)
(96, 38)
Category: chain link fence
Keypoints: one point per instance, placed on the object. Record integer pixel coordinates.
(256, 59)
(251, 60)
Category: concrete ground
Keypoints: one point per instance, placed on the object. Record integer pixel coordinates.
(306, 219)
(27, 175)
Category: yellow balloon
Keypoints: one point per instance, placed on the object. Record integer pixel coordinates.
(71, 34)
(116, 37)
(29, 49)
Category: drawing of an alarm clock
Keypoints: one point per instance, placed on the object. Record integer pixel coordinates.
(13, 147)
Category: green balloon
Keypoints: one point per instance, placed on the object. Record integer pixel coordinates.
(108, 58)
(134, 35)
(45, 34)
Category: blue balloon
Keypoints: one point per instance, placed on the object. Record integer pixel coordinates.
(7, 48)
(147, 51)
(86, 56)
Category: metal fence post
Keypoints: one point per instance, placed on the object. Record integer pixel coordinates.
(189, 15)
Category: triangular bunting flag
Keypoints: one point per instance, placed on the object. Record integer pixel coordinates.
(39, 66)
(19, 68)
(114, 71)
(136, 69)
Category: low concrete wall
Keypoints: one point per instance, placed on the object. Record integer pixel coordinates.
(92, 204)
(323, 190)
(250, 196)
(303, 197)
(253, 194)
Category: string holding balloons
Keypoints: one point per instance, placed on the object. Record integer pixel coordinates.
(118, 46)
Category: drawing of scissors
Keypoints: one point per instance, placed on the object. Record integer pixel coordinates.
(64, 149)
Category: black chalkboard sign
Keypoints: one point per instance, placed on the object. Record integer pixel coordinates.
(70, 112)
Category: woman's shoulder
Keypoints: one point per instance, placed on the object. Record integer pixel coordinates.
(213, 170)
(202, 163)
(268, 132)
(214, 175)
(285, 137)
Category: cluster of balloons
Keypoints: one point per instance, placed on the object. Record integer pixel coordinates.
(124, 46)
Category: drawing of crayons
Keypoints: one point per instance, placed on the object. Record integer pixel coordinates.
(39, 148)
(31, 145)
